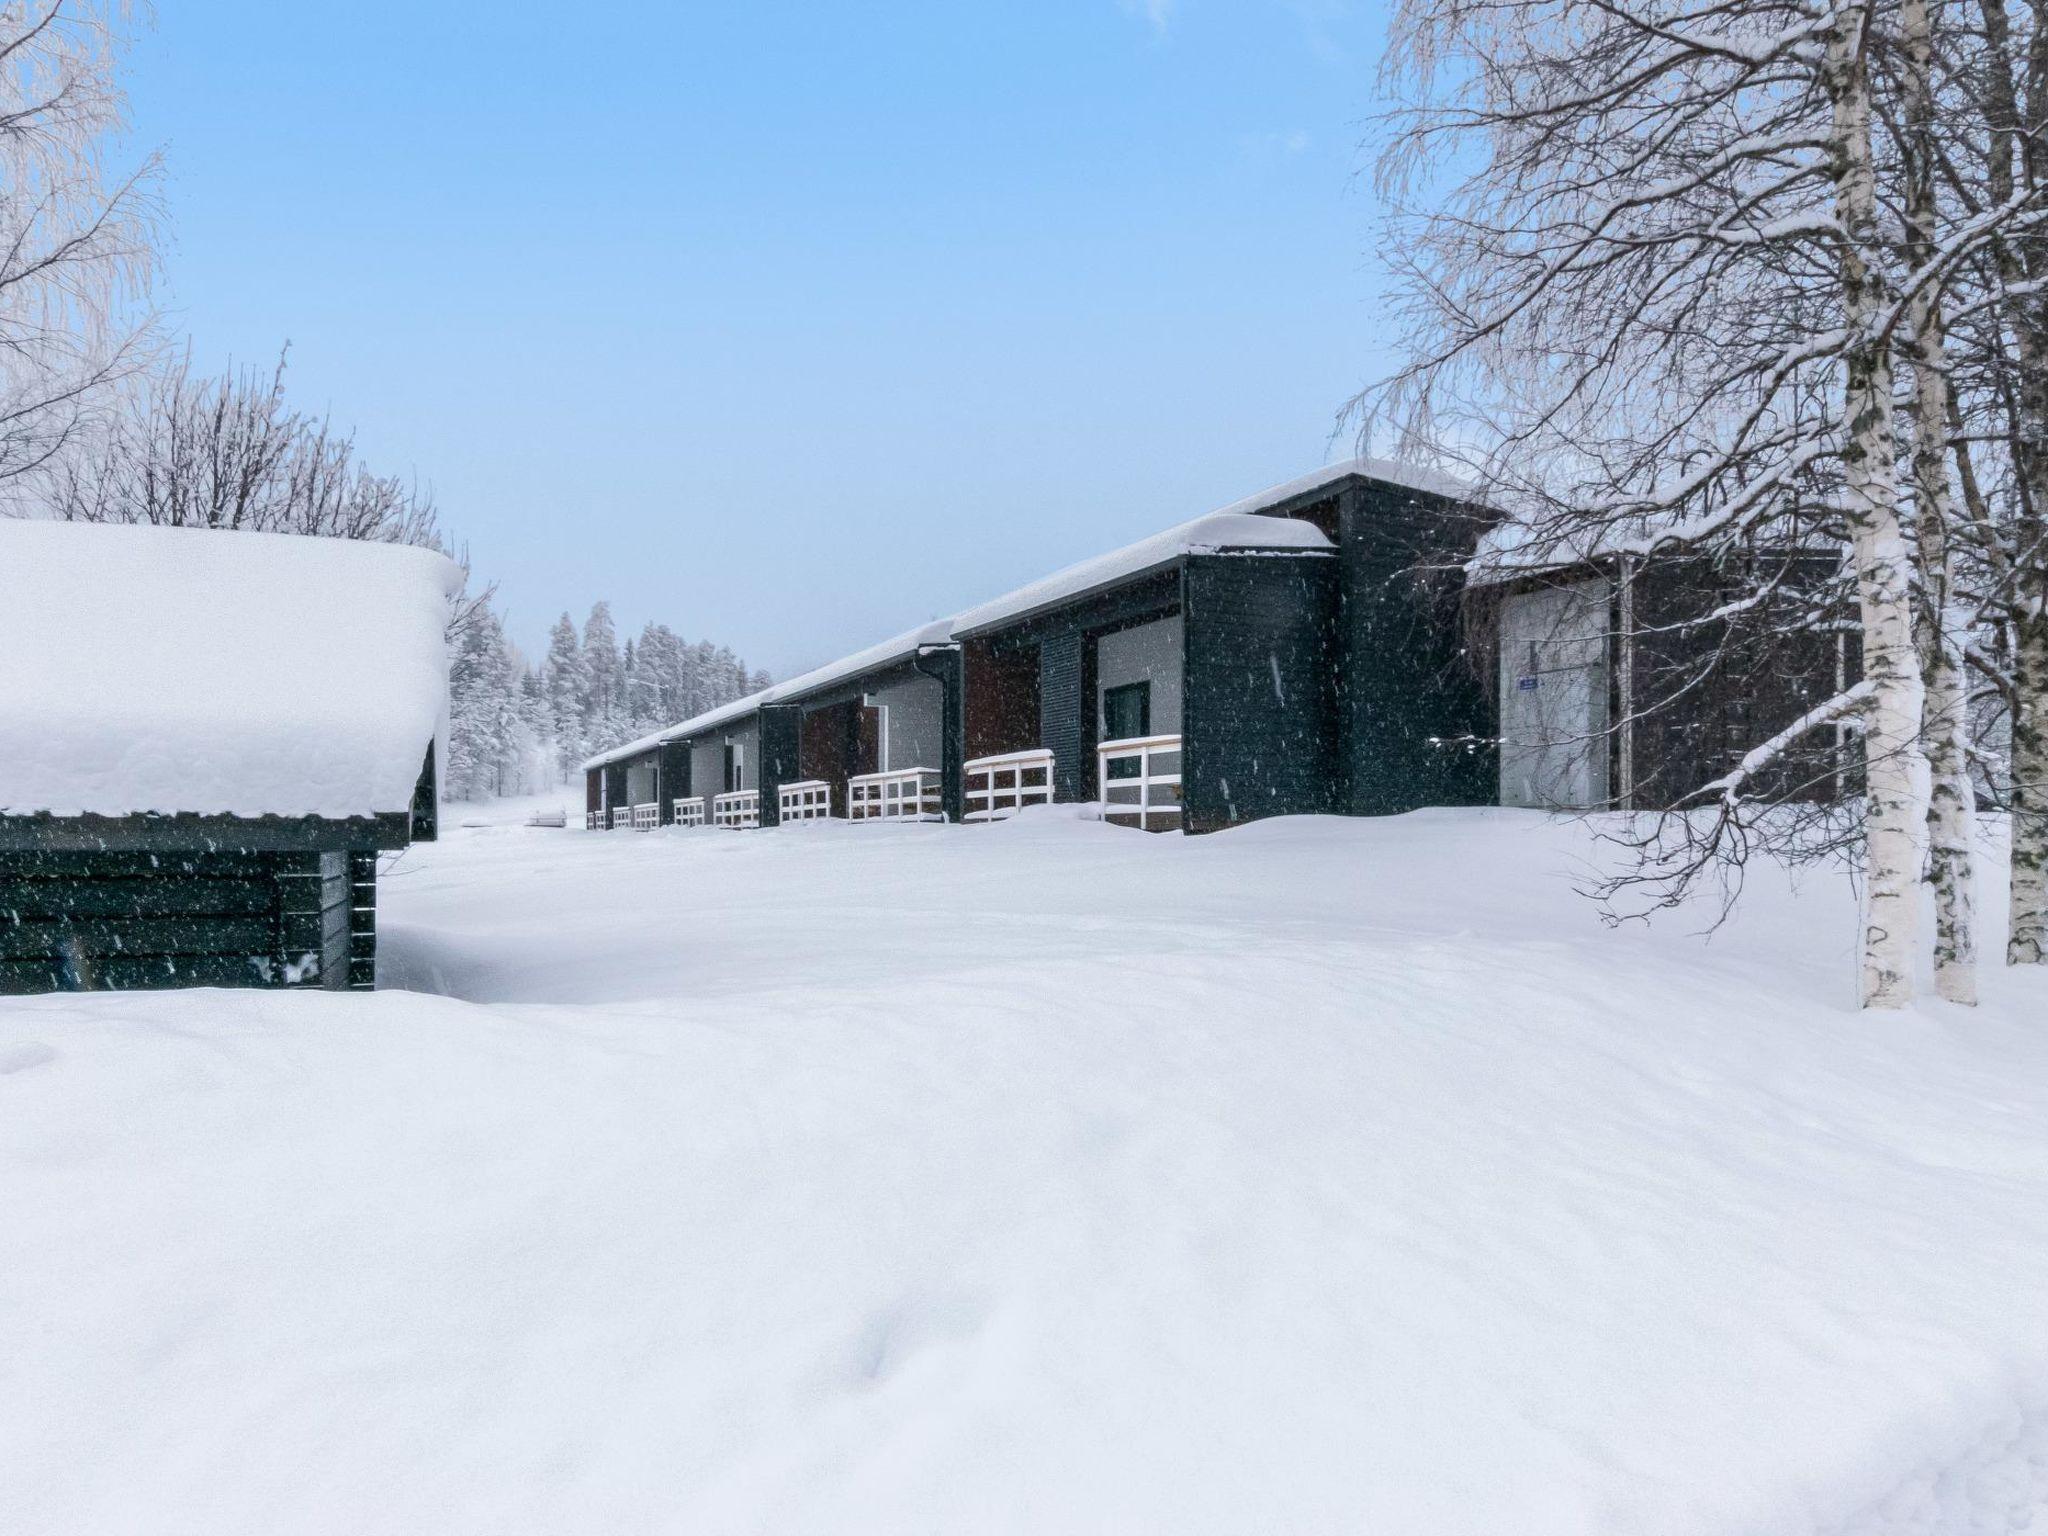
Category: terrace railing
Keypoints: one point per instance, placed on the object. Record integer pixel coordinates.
(596, 821)
(738, 808)
(805, 800)
(647, 816)
(902, 794)
(1140, 782)
(1001, 786)
(690, 811)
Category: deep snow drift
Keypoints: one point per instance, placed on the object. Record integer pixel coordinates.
(1320, 1176)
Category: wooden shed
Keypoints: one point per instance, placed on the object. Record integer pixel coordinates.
(206, 739)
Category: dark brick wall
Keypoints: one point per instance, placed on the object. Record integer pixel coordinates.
(1260, 720)
(1066, 717)
(1711, 691)
(1417, 715)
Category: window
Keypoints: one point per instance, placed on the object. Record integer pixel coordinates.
(1126, 711)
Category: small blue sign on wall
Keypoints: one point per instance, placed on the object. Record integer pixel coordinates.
(1527, 684)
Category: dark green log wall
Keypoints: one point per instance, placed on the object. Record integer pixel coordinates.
(88, 921)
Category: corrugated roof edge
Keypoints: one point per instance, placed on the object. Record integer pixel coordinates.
(1212, 530)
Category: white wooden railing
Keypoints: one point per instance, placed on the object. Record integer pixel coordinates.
(1140, 781)
(690, 811)
(1001, 786)
(647, 816)
(596, 821)
(739, 808)
(805, 800)
(902, 794)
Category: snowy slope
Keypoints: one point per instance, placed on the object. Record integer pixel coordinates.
(188, 669)
(1324, 1176)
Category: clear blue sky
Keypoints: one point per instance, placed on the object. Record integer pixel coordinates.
(790, 325)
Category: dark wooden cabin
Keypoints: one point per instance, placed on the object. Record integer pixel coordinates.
(208, 740)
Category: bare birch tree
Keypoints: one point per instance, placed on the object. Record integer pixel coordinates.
(75, 236)
(1658, 320)
(227, 451)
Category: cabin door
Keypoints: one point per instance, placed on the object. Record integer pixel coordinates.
(1553, 697)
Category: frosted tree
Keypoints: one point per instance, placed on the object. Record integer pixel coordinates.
(603, 680)
(1655, 313)
(228, 451)
(563, 686)
(75, 237)
(2006, 97)
(1941, 622)
(483, 709)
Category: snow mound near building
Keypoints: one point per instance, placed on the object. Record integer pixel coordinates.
(1323, 1176)
(196, 670)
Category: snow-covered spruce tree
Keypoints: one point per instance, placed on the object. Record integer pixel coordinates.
(75, 238)
(563, 685)
(604, 723)
(483, 709)
(1654, 311)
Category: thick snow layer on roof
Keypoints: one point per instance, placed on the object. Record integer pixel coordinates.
(1412, 477)
(192, 670)
(1214, 530)
(1240, 525)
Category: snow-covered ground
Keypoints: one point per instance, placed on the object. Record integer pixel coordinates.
(1323, 1176)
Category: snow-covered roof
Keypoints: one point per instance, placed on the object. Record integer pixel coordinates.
(887, 653)
(1244, 524)
(1212, 531)
(195, 670)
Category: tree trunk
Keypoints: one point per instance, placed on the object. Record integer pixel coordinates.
(2027, 928)
(1895, 770)
(1945, 729)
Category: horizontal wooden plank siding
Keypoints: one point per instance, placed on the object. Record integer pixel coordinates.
(84, 921)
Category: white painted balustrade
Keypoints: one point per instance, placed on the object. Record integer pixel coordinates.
(596, 821)
(739, 809)
(1001, 786)
(902, 794)
(1140, 781)
(690, 811)
(647, 816)
(805, 800)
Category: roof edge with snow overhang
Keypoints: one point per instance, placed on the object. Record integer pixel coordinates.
(1246, 524)
(204, 672)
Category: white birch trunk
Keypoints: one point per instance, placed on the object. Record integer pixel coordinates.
(1895, 770)
(2027, 927)
(1952, 806)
